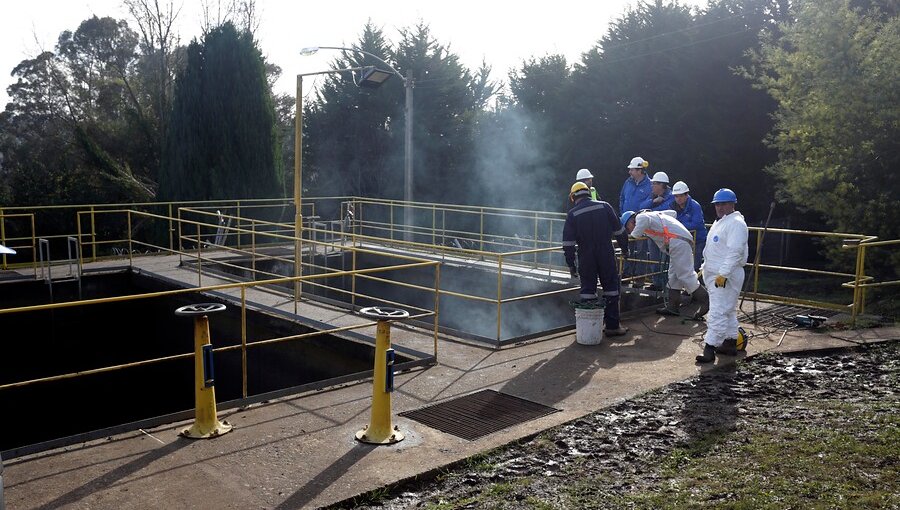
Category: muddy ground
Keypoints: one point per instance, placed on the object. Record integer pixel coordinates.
(776, 431)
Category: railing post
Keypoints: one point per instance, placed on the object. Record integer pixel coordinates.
(433, 225)
(437, 303)
(481, 231)
(3, 234)
(171, 230)
(33, 244)
(180, 244)
(759, 238)
(253, 247)
(206, 424)
(353, 278)
(130, 246)
(244, 341)
(199, 258)
(862, 275)
(856, 281)
(94, 235)
(535, 239)
(499, 295)
(238, 225)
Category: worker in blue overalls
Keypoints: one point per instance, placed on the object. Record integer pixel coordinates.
(590, 225)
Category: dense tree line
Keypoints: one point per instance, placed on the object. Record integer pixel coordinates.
(793, 101)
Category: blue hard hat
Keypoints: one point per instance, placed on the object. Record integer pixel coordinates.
(626, 216)
(724, 195)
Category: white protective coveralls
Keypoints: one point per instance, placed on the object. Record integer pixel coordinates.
(673, 238)
(725, 254)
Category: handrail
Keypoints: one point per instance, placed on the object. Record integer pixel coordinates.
(373, 225)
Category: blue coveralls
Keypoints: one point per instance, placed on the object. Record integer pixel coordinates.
(591, 225)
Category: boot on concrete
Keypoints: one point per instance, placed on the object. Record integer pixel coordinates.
(621, 330)
(674, 303)
(701, 296)
(728, 347)
(709, 354)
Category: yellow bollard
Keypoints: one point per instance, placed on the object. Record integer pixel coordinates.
(206, 424)
(380, 430)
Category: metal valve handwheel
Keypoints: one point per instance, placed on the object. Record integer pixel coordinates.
(199, 309)
(384, 313)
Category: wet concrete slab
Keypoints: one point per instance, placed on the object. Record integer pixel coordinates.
(300, 451)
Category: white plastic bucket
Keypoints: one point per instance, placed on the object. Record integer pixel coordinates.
(588, 326)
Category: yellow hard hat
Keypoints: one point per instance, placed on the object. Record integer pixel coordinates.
(578, 187)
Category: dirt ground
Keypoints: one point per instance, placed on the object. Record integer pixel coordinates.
(779, 431)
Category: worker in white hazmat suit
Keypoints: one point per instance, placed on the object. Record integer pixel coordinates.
(675, 240)
(723, 270)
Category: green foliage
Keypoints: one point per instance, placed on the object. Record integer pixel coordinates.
(659, 83)
(222, 141)
(354, 138)
(74, 129)
(834, 73)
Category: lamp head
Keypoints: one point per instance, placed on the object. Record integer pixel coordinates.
(309, 50)
(372, 77)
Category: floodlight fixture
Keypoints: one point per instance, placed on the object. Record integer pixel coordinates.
(372, 77)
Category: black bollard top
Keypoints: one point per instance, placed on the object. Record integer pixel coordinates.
(384, 313)
(199, 309)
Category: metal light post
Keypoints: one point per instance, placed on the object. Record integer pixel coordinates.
(408, 84)
(373, 81)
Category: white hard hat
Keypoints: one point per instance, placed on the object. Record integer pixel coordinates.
(582, 174)
(638, 162)
(660, 177)
(680, 188)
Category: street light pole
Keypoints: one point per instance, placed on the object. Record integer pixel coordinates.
(408, 84)
(298, 187)
(298, 172)
(408, 156)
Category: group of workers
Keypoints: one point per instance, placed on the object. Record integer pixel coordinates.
(662, 220)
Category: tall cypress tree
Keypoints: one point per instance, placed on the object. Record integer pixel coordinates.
(222, 141)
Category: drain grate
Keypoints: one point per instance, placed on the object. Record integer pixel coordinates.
(774, 316)
(478, 414)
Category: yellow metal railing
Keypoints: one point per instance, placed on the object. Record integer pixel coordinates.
(16, 242)
(91, 241)
(501, 239)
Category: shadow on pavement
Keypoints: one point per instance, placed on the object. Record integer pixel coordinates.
(119, 473)
(326, 478)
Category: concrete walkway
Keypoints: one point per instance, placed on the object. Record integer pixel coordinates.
(300, 452)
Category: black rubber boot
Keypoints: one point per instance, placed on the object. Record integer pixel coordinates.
(709, 354)
(701, 296)
(674, 303)
(728, 347)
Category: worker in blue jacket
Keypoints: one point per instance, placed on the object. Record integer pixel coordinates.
(661, 199)
(635, 191)
(637, 186)
(690, 214)
(590, 225)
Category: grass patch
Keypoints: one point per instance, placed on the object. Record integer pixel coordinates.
(846, 458)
